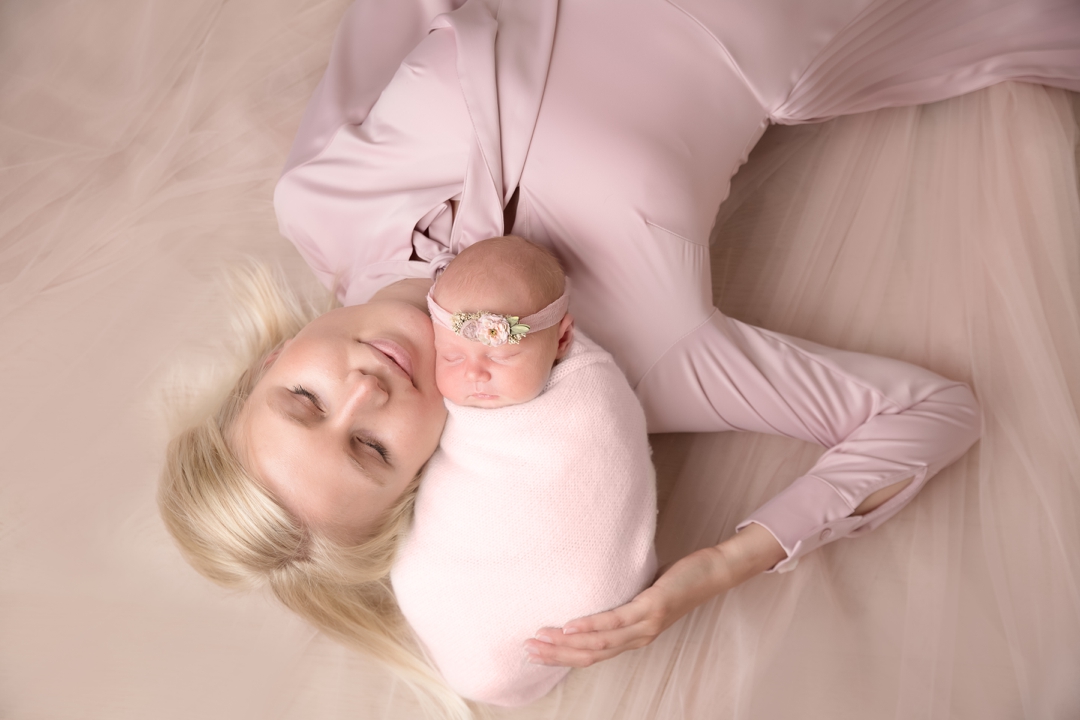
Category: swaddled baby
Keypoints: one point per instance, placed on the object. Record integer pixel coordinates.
(539, 505)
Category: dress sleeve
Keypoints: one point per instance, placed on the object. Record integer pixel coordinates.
(372, 173)
(374, 36)
(882, 420)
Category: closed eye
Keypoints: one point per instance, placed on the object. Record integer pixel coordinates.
(310, 396)
(376, 446)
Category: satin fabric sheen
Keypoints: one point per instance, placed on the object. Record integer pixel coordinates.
(140, 145)
(623, 176)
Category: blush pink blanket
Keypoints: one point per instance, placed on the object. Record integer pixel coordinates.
(529, 516)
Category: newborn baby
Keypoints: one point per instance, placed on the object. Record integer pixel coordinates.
(539, 505)
(481, 357)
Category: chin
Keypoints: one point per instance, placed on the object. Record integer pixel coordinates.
(485, 402)
(408, 312)
(410, 322)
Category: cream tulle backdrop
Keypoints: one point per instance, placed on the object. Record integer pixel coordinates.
(139, 144)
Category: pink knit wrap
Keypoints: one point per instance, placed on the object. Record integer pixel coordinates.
(529, 516)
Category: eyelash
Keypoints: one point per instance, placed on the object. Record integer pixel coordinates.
(299, 390)
(374, 445)
(377, 447)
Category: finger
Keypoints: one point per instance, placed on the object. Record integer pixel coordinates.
(621, 638)
(620, 617)
(547, 654)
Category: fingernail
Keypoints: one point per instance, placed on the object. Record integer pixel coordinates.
(569, 631)
(531, 650)
(544, 637)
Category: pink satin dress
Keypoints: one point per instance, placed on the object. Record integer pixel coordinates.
(615, 127)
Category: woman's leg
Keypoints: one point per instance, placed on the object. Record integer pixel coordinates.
(911, 52)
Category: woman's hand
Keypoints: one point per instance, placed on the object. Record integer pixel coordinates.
(685, 585)
(582, 642)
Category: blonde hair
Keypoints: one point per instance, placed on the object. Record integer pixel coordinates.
(234, 532)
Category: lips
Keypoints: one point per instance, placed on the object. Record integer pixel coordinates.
(395, 353)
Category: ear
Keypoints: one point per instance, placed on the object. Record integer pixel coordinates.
(566, 336)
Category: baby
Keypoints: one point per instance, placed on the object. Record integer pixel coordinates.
(539, 505)
(509, 326)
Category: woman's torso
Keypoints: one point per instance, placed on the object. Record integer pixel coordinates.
(643, 118)
(627, 168)
(622, 122)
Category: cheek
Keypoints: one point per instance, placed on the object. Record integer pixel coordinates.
(525, 380)
(421, 428)
(446, 377)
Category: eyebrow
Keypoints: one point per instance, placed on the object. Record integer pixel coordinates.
(360, 468)
(277, 403)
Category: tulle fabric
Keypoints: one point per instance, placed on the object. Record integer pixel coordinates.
(139, 144)
(947, 235)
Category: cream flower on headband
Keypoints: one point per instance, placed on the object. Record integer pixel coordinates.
(493, 329)
(488, 328)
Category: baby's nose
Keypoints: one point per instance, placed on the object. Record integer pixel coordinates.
(476, 372)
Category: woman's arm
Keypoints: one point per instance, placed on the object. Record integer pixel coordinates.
(888, 426)
(691, 581)
(358, 209)
(373, 38)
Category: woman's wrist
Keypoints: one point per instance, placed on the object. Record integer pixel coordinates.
(749, 552)
(706, 573)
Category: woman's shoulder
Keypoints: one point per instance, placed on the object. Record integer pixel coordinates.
(351, 202)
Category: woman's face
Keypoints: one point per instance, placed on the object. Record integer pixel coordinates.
(345, 416)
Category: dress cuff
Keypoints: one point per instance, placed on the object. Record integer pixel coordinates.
(806, 515)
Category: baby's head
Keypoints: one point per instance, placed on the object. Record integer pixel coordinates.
(482, 358)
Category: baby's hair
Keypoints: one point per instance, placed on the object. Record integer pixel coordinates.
(236, 533)
(530, 266)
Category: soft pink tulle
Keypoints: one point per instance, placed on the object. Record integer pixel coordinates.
(139, 145)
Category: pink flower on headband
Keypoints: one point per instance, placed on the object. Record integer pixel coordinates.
(488, 328)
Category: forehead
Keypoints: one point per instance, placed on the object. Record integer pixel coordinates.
(446, 340)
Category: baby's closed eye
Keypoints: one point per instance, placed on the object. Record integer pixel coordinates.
(503, 357)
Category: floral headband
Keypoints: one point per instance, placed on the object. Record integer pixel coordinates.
(494, 329)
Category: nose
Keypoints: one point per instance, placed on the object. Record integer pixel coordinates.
(364, 392)
(476, 372)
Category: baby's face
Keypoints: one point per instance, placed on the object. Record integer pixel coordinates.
(472, 374)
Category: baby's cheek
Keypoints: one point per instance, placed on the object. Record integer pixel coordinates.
(445, 381)
(529, 381)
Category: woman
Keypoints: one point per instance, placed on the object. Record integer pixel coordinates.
(436, 162)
